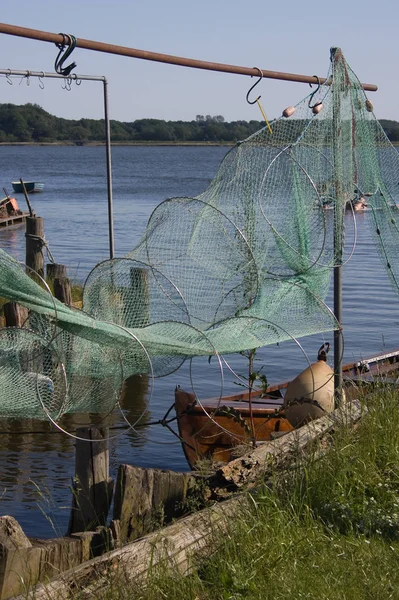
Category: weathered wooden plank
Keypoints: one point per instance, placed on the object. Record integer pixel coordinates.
(24, 562)
(176, 545)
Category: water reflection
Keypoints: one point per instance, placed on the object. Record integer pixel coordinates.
(76, 229)
(37, 460)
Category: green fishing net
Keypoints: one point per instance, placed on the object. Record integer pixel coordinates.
(245, 264)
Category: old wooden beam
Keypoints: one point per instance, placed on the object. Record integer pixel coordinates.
(175, 546)
(245, 472)
(24, 562)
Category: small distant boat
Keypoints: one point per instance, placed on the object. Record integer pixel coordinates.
(30, 186)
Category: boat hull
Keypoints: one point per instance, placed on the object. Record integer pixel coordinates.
(225, 424)
(30, 186)
(212, 429)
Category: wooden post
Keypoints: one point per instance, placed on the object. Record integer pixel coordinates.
(34, 244)
(55, 271)
(31, 213)
(62, 290)
(15, 315)
(145, 499)
(93, 487)
(56, 275)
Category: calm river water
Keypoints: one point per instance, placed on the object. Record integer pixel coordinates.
(36, 468)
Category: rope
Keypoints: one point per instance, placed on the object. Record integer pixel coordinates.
(43, 244)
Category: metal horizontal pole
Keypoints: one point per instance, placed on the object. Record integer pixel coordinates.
(57, 38)
(40, 74)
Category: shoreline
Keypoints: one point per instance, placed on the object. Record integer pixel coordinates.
(142, 143)
(127, 143)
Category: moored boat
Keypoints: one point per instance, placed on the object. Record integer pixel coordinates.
(30, 186)
(214, 427)
(10, 213)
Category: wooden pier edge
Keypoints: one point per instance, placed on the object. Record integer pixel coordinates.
(190, 537)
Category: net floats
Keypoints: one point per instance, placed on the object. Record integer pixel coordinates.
(311, 394)
(289, 111)
(369, 106)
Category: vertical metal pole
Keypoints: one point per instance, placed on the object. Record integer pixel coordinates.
(109, 170)
(338, 341)
(339, 208)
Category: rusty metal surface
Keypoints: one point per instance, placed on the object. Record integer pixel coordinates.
(57, 38)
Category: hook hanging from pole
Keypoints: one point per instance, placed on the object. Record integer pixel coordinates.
(256, 101)
(318, 105)
(70, 41)
(254, 85)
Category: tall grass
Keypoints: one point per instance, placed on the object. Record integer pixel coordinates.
(327, 529)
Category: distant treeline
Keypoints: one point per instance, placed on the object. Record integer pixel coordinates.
(31, 123)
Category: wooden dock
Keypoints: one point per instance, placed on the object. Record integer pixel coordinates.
(13, 220)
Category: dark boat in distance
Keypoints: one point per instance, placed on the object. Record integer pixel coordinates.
(212, 428)
(30, 186)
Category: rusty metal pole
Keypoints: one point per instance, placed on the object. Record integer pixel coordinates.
(57, 38)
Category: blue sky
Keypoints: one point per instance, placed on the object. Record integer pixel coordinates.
(284, 36)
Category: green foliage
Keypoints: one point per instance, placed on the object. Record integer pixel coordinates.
(30, 123)
(254, 379)
(391, 128)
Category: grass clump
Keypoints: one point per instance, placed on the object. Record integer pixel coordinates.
(327, 529)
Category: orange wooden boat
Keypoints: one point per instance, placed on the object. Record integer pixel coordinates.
(213, 428)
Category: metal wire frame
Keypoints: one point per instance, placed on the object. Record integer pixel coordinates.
(8, 73)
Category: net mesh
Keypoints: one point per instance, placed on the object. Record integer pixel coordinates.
(245, 264)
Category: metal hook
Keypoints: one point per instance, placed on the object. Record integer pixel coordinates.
(66, 84)
(254, 85)
(70, 41)
(8, 77)
(41, 83)
(26, 78)
(315, 92)
(76, 79)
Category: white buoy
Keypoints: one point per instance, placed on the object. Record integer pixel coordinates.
(317, 108)
(311, 394)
